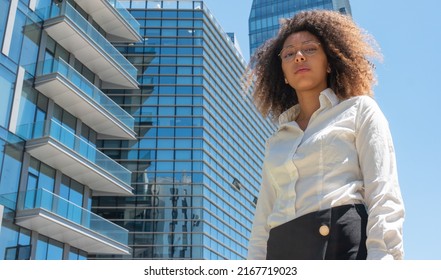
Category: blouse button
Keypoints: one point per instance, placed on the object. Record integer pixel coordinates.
(324, 230)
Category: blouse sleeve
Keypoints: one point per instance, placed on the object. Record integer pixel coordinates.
(381, 188)
(260, 229)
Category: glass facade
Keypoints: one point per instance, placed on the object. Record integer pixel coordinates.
(265, 15)
(11, 157)
(47, 195)
(184, 188)
(7, 79)
(196, 162)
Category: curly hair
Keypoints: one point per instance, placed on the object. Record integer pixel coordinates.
(348, 49)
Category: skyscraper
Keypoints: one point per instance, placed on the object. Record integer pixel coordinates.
(196, 161)
(265, 15)
(124, 138)
(56, 57)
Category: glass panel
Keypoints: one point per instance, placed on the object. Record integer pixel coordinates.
(17, 36)
(15, 243)
(27, 106)
(60, 134)
(76, 193)
(125, 14)
(55, 250)
(87, 89)
(41, 251)
(4, 9)
(58, 205)
(31, 42)
(151, 4)
(7, 87)
(30, 194)
(108, 48)
(61, 53)
(47, 177)
(64, 193)
(10, 171)
(73, 254)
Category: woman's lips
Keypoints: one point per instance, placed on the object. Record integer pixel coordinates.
(301, 69)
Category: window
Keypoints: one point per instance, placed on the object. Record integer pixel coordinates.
(66, 124)
(17, 36)
(237, 184)
(85, 72)
(44, 175)
(31, 42)
(87, 144)
(73, 192)
(4, 9)
(48, 249)
(16, 242)
(32, 112)
(76, 254)
(7, 86)
(40, 176)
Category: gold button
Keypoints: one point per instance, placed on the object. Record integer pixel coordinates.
(324, 230)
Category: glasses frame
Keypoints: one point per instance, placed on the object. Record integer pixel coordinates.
(298, 50)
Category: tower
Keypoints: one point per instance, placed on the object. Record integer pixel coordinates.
(265, 15)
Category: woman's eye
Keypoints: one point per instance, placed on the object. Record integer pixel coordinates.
(288, 54)
(310, 50)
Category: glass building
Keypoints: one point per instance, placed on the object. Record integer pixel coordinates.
(56, 60)
(125, 132)
(200, 142)
(265, 15)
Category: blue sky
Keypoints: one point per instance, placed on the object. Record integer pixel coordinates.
(409, 34)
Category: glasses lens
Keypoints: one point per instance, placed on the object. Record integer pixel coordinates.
(310, 48)
(307, 49)
(288, 53)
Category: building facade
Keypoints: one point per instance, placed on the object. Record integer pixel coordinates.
(56, 59)
(126, 132)
(265, 15)
(200, 142)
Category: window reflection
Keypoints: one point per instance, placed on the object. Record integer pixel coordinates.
(48, 249)
(15, 243)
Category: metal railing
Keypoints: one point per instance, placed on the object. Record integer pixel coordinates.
(88, 89)
(125, 14)
(70, 12)
(67, 138)
(44, 199)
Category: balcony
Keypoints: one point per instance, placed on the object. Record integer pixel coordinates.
(60, 219)
(79, 37)
(55, 145)
(69, 89)
(111, 15)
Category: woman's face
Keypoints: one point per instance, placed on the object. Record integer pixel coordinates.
(304, 63)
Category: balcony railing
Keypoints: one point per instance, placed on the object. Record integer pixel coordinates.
(53, 129)
(68, 11)
(9, 200)
(125, 14)
(44, 199)
(88, 89)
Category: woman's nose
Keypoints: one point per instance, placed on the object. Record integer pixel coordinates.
(299, 57)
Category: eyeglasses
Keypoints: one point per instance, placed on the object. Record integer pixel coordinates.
(309, 48)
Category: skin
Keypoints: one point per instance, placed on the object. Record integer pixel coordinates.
(307, 75)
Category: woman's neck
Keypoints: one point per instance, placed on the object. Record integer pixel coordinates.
(309, 103)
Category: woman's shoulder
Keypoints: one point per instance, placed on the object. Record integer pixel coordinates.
(363, 102)
(363, 98)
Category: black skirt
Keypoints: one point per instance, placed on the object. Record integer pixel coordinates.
(338, 233)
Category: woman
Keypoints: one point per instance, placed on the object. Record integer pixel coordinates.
(329, 180)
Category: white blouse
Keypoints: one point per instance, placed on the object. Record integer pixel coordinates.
(344, 156)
